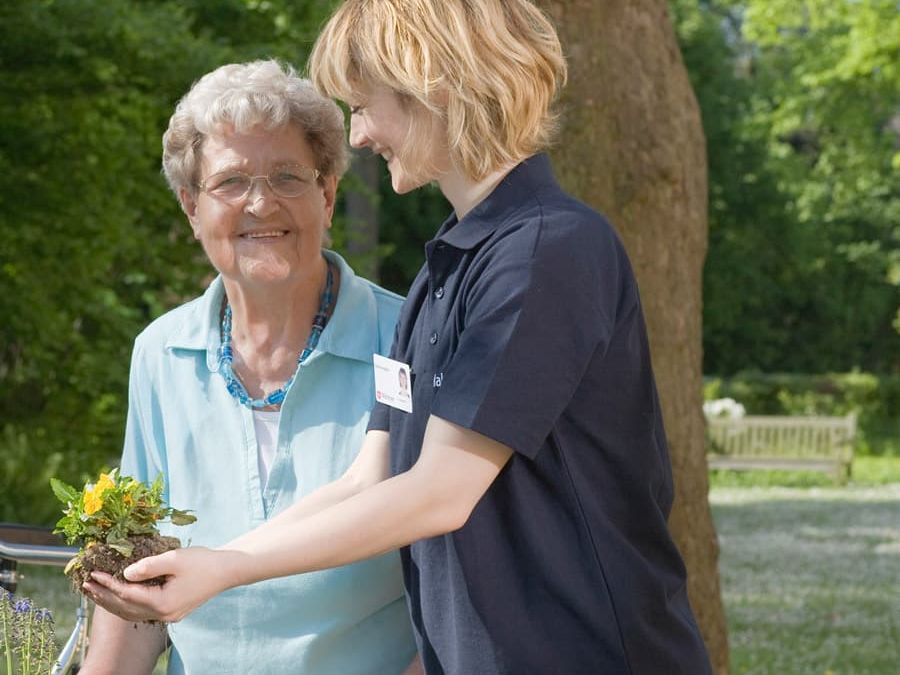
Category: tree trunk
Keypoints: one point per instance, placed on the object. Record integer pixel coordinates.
(632, 146)
(361, 210)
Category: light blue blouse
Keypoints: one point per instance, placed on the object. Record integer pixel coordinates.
(183, 423)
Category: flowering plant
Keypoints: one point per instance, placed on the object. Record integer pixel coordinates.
(724, 407)
(26, 636)
(114, 521)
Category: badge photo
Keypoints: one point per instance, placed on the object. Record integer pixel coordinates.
(393, 384)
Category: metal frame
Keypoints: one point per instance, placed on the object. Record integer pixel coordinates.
(69, 658)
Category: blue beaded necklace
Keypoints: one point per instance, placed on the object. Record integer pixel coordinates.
(226, 354)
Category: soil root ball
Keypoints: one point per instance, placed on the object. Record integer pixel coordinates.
(104, 558)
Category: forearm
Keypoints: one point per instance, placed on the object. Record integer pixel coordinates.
(383, 517)
(120, 647)
(434, 497)
(369, 467)
(319, 500)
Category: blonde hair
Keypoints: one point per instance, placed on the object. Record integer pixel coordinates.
(491, 69)
(244, 96)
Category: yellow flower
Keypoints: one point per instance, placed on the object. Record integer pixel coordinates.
(93, 495)
(105, 483)
(93, 501)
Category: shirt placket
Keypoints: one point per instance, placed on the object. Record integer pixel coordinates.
(434, 317)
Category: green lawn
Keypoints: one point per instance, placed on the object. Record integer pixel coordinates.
(811, 578)
(866, 471)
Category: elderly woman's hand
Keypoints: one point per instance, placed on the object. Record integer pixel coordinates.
(192, 576)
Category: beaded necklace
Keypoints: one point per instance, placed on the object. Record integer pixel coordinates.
(226, 354)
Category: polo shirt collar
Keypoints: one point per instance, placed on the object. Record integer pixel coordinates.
(352, 331)
(527, 178)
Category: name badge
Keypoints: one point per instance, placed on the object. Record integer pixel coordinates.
(392, 383)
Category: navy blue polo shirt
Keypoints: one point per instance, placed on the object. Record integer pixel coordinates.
(525, 325)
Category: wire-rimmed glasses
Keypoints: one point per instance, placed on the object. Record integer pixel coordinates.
(285, 180)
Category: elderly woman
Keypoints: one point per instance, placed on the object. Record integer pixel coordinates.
(258, 392)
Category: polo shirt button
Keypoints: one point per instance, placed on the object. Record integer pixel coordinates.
(433, 339)
(439, 293)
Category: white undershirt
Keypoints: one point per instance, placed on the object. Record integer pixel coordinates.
(265, 422)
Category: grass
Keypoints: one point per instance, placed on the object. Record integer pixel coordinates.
(866, 471)
(810, 577)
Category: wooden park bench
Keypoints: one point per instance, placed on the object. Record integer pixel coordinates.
(782, 442)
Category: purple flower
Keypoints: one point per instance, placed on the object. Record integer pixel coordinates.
(43, 615)
(22, 606)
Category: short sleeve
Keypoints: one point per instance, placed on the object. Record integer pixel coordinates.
(380, 419)
(543, 304)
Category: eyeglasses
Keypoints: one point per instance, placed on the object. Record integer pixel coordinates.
(285, 180)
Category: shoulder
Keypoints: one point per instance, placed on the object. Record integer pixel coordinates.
(387, 303)
(183, 326)
(158, 331)
(564, 221)
(531, 206)
(552, 227)
(364, 320)
(557, 246)
(386, 306)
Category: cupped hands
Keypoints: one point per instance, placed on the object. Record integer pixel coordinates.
(190, 577)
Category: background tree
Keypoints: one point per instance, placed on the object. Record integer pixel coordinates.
(90, 244)
(801, 106)
(632, 146)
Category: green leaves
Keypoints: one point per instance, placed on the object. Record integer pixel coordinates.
(182, 517)
(122, 546)
(63, 491)
(112, 510)
(799, 104)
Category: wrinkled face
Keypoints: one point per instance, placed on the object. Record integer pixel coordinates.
(381, 122)
(262, 238)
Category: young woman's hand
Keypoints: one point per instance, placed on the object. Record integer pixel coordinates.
(192, 576)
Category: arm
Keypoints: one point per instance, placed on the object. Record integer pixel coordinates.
(119, 647)
(371, 466)
(435, 496)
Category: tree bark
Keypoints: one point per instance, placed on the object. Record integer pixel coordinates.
(632, 146)
(361, 210)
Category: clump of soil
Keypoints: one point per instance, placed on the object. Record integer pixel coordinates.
(104, 558)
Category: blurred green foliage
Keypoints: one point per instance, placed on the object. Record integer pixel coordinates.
(801, 109)
(800, 106)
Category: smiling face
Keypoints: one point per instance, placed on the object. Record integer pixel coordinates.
(263, 238)
(381, 122)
